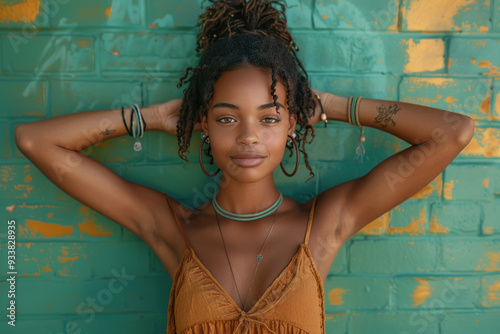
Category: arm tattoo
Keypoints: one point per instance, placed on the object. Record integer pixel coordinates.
(107, 132)
(385, 115)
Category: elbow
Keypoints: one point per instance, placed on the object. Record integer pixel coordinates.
(464, 131)
(22, 139)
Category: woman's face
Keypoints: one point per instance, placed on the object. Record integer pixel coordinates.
(247, 135)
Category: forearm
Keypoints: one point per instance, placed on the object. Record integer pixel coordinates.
(80, 130)
(413, 123)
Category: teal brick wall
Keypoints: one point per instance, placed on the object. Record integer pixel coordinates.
(430, 265)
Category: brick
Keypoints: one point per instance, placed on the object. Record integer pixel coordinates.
(299, 189)
(122, 291)
(437, 292)
(460, 95)
(333, 174)
(496, 15)
(104, 13)
(474, 56)
(344, 293)
(134, 256)
(66, 96)
(414, 323)
(336, 323)
(491, 223)
(495, 103)
(299, 14)
(371, 86)
(27, 324)
(433, 190)
(58, 53)
(24, 15)
(468, 182)
(119, 323)
(428, 15)
(383, 256)
(23, 98)
(463, 323)
(409, 219)
(22, 181)
(6, 142)
(484, 144)
(455, 219)
(151, 52)
(356, 15)
(170, 14)
(49, 259)
(163, 147)
(490, 291)
(475, 255)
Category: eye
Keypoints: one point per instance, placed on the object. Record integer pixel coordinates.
(271, 120)
(226, 120)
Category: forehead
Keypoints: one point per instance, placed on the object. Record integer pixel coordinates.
(247, 84)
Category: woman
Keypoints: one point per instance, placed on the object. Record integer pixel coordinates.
(250, 259)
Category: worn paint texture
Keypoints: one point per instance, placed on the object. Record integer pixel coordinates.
(439, 251)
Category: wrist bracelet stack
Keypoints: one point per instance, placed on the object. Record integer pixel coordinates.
(353, 118)
(137, 125)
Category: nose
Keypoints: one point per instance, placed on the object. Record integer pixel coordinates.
(248, 134)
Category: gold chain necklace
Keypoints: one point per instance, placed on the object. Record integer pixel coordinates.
(259, 258)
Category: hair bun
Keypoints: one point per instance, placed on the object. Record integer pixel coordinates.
(226, 18)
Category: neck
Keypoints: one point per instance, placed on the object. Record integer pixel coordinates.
(243, 198)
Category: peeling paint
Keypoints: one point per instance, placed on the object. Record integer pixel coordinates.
(433, 15)
(63, 259)
(436, 185)
(493, 69)
(485, 182)
(414, 228)
(107, 13)
(335, 296)
(485, 105)
(378, 226)
(421, 292)
(426, 55)
(93, 230)
(448, 190)
(26, 11)
(34, 227)
(486, 142)
(494, 260)
(437, 228)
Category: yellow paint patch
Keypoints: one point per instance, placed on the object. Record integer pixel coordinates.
(46, 269)
(485, 105)
(484, 29)
(324, 16)
(485, 183)
(378, 226)
(48, 230)
(450, 99)
(335, 296)
(28, 178)
(64, 250)
(416, 226)
(92, 230)
(496, 116)
(63, 259)
(426, 55)
(473, 61)
(26, 11)
(486, 143)
(151, 26)
(436, 185)
(431, 15)
(82, 43)
(488, 230)
(494, 260)
(438, 82)
(487, 64)
(448, 190)
(421, 292)
(108, 12)
(437, 228)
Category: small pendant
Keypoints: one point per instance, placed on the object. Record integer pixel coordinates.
(259, 257)
(137, 146)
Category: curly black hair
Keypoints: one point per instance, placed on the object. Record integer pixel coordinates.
(237, 33)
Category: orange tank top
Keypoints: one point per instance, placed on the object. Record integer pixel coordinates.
(293, 303)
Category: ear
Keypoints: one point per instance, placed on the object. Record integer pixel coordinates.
(204, 124)
(293, 123)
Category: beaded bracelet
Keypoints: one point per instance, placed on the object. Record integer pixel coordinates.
(137, 125)
(353, 104)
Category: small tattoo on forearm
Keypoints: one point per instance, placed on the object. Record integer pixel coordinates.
(107, 132)
(385, 115)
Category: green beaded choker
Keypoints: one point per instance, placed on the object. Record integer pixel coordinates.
(247, 216)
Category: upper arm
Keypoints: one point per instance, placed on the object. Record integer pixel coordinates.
(138, 208)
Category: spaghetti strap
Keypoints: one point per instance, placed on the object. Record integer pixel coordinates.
(186, 240)
(309, 222)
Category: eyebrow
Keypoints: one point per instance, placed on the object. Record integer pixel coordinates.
(232, 106)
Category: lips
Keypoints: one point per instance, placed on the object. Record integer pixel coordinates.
(248, 159)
